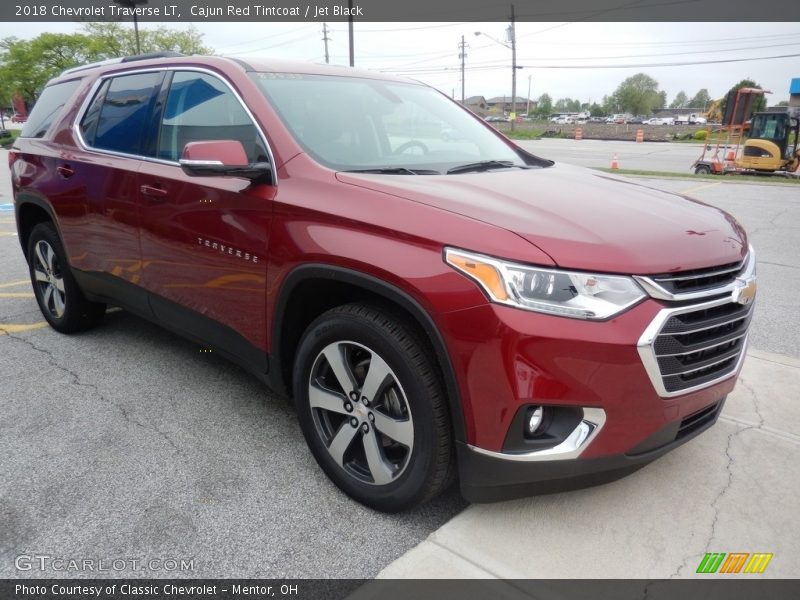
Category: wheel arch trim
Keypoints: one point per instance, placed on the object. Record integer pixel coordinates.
(379, 287)
(24, 199)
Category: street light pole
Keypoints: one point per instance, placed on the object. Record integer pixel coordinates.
(512, 45)
(133, 4)
(528, 108)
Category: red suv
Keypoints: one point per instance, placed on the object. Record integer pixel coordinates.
(437, 304)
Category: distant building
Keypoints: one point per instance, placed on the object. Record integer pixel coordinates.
(477, 104)
(503, 104)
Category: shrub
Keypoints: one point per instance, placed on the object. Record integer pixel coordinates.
(700, 135)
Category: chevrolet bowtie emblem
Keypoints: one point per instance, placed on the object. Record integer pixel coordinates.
(745, 291)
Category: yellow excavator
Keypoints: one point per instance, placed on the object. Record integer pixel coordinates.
(767, 143)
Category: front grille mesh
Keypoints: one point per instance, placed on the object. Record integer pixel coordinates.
(698, 280)
(697, 347)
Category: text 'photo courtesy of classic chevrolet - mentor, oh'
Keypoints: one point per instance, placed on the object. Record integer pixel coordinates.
(439, 304)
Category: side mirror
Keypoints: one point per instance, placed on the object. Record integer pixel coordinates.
(223, 158)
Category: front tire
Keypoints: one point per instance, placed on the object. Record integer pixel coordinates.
(55, 288)
(372, 408)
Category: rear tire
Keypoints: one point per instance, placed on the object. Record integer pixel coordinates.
(372, 408)
(57, 292)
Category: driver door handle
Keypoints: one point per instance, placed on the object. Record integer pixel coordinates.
(153, 191)
(65, 171)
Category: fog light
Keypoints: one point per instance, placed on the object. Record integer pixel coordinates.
(533, 420)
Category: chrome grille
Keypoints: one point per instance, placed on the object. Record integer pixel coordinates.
(698, 279)
(697, 347)
(689, 346)
(696, 284)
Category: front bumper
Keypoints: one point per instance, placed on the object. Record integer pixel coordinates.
(507, 360)
(491, 478)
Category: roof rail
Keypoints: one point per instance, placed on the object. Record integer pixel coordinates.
(124, 59)
(109, 61)
(149, 55)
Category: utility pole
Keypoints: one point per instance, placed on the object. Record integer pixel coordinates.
(350, 32)
(325, 39)
(462, 55)
(512, 33)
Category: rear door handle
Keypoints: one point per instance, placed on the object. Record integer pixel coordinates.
(153, 191)
(65, 171)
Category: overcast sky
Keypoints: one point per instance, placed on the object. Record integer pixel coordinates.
(429, 52)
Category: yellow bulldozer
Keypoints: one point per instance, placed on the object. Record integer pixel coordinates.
(764, 143)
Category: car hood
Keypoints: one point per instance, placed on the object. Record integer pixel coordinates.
(582, 219)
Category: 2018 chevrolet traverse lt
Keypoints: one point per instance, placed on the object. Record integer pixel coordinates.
(437, 306)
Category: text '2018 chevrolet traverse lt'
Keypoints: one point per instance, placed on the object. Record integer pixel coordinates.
(439, 303)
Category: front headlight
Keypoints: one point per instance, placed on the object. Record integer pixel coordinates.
(556, 292)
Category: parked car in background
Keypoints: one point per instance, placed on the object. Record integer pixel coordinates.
(660, 121)
(18, 118)
(436, 311)
(496, 119)
(690, 119)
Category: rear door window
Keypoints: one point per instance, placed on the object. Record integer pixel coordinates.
(47, 108)
(124, 113)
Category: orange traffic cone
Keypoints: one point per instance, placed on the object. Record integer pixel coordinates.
(614, 162)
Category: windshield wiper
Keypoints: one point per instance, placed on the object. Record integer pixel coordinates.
(484, 165)
(395, 171)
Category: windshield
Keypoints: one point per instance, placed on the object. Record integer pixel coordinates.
(352, 124)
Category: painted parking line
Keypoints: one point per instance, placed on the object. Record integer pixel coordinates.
(697, 188)
(16, 295)
(8, 207)
(15, 283)
(6, 328)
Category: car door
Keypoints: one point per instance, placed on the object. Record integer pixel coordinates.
(100, 174)
(204, 239)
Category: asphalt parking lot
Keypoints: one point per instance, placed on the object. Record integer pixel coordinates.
(670, 157)
(129, 442)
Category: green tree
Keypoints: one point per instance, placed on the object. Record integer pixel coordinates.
(567, 105)
(680, 100)
(544, 106)
(609, 105)
(597, 110)
(27, 65)
(639, 95)
(111, 40)
(700, 100)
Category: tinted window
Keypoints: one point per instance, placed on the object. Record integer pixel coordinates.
(201, 108)
(47, 108)
(125, 112)
(92, 116)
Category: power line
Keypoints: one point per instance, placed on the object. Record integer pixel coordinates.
(262, 37)
(624, 66)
